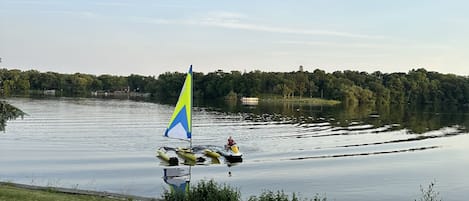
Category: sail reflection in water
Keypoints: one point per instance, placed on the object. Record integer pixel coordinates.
(178, 178)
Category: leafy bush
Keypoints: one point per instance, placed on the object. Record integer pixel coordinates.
(281, 196)
(205, 191)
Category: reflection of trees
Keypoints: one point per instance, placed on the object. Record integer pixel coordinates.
(416, 119)
(423, 119)
(8, 112)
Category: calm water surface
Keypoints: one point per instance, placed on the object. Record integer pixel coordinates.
(110, 145)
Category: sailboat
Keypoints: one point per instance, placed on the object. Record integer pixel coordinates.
(180, 127)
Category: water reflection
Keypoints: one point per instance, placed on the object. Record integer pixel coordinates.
(178, 178)
(366, 153)
(416, 119)
(109, 145)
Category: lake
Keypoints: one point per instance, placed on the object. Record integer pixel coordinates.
(345, 154)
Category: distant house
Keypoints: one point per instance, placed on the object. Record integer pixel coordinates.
(49, 92)
(250, 100)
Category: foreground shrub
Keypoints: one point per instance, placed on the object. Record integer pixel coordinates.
(429, 194)
(205, 191)
(281, 196)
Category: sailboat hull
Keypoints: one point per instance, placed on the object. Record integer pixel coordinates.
(211, 153)
(162, 155)
(186, 154)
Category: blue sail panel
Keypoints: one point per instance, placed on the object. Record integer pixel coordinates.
(179, 127)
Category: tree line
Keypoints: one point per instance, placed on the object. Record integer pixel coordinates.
(417, 86)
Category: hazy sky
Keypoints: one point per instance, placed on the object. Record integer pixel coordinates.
(151, 37)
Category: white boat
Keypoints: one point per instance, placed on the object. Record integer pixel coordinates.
(250, 101)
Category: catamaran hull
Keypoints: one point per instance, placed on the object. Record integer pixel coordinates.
(162, 155)
(187, 155)
(172, 161)
(211, 154)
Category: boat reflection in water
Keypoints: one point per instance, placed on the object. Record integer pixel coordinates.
(178, 178)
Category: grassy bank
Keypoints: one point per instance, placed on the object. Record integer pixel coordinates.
(298, 100)
(19, 192)
(202, 191)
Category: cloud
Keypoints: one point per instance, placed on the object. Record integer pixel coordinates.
(84, 14)
(111, 4)
(32, 2)
(369, 45)
(230, 20)
(150, 20)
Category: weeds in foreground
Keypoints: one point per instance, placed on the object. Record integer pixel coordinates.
(205, 191)
(429, 194)
(281, 196)
(211, 191)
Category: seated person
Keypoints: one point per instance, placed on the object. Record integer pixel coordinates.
(230, 143)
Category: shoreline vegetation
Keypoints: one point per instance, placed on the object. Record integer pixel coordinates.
(203, 191)
(8, 112)
(351, 88)
(300, 101)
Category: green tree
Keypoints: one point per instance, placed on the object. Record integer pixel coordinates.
(301, 83)
(312, 88)
(395, 84)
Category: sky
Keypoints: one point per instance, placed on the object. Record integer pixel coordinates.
(150, 37)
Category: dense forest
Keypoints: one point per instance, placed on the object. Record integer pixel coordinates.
(351, 87)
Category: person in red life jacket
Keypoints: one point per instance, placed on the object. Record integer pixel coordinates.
(230, 143)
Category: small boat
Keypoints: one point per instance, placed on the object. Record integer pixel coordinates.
(180, 125)
(232, 154)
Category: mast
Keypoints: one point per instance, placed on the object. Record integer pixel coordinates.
(192, 103)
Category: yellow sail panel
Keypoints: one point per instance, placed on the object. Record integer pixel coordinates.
(180, 125)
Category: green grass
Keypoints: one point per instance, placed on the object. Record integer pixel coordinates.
(202, 191)
(298, 100)
(11, 193)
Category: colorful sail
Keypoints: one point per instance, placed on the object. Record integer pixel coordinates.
(180, 124)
